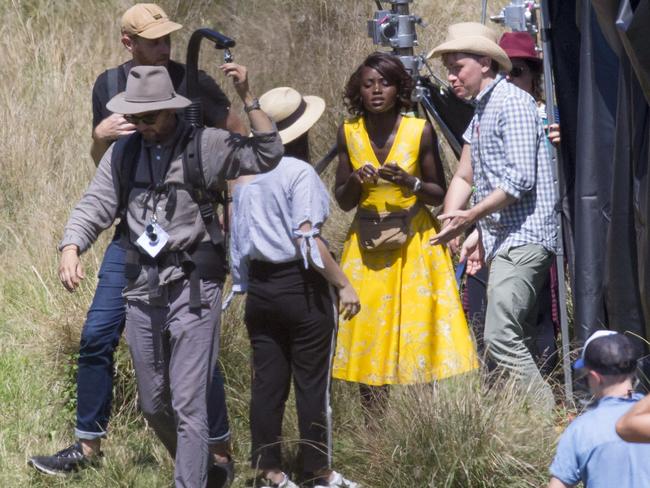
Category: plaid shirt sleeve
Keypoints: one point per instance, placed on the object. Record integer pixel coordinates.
(518, 124)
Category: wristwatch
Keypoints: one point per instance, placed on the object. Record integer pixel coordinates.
(255, 105)
(417, 185)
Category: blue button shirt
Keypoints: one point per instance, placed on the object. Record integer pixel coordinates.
(591, 451)
(509, 151)
(267, 213)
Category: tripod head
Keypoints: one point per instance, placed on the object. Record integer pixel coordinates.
(395, 28)
(520, 16)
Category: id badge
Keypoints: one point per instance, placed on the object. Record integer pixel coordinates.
(153, 239)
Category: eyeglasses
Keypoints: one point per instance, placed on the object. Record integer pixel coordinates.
(517, 71)
(147, 119)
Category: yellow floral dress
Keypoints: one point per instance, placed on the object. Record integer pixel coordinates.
(411, 327)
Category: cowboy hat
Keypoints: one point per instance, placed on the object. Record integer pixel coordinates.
(148, 88)
(519, 45)
(473, 38)
(147, 20)
(292, 113)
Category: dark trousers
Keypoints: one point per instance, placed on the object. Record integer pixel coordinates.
(290, 322)
(99, 338)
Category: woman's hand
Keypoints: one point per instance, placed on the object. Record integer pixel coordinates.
(349, 304)
(366, 173)
(393, 173)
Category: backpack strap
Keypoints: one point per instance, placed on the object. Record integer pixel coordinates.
(124, 159)
(195, 180)
(112, 78)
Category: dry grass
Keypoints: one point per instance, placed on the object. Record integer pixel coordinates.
(52, 52)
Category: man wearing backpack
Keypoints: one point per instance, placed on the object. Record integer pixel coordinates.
(145, 33)
(175, 264)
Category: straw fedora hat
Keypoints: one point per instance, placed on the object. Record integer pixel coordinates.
(473, 38)
(148, 88)
(292, 113)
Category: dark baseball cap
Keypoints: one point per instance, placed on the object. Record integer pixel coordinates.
(609, 353)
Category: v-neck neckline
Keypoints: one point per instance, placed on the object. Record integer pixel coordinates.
(392, 146)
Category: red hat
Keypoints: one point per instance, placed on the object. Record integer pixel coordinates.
(519, 45)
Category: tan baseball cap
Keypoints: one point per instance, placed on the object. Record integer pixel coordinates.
(147, 20)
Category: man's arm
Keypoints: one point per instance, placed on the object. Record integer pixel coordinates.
(634, 426)
(460, 189)
(228, 156)
(95, 212)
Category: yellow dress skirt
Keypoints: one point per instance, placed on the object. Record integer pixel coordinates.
(411, 327)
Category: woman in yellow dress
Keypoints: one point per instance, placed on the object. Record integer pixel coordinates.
(411, 327)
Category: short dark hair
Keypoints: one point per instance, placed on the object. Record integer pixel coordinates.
(611, 355)
(392, 69)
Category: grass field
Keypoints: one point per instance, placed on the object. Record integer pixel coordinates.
(459, 433)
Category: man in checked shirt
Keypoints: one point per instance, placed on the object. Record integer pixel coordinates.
(505, 168)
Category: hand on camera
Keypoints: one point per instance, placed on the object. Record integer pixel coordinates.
(239, 75)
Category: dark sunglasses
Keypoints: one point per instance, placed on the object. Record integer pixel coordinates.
(147, 119)
(517, 71)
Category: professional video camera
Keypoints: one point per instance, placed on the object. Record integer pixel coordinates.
(396, 28)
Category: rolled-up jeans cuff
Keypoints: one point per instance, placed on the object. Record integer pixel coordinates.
(217, 440)
(90, 436)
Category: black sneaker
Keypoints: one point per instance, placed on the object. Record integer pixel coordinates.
(66, 461)
(221, 475)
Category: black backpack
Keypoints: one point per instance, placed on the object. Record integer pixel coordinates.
(124, 160)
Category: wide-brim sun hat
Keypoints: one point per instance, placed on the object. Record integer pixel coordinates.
(473, 38)
(148, 20)
(148, 88)
(519, 45)
(293, 113)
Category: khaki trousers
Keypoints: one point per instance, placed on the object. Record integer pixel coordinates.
(174, 350)
(516, 276)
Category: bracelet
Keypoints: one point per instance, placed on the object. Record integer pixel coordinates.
(255, 105)
(417, 186)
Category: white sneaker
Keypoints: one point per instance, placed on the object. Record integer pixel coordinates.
(338, 481)
(285, 483)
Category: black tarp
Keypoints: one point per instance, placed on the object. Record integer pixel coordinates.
(611, 187)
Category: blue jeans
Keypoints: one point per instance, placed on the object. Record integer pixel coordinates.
(99, 338)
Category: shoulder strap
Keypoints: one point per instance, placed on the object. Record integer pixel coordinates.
(195, 180)
(112, 76)
(125, 159)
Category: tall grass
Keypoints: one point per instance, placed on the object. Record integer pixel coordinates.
(457, 433)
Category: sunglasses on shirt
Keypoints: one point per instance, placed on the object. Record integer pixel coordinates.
(147, 119)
